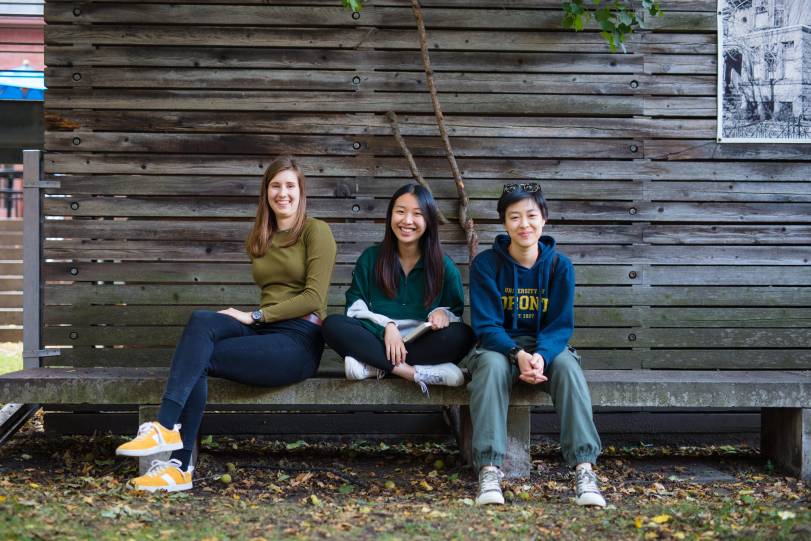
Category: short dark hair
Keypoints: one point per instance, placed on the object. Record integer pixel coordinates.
(510, 198)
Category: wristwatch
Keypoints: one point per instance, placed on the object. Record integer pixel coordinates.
(256, 316)
(513, 355)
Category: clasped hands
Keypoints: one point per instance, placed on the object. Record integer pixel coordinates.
(530, 367)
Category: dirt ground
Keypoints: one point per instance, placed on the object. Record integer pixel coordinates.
(74, 488)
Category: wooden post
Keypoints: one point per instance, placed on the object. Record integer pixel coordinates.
(146, 414)
(785, 437)
(32, 254)
(150, 413)
(517, 463)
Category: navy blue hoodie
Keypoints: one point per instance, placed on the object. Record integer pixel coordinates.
(508, 300)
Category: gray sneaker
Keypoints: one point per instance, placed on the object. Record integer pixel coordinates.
(437, 374)
(490, 486)
(588, 493)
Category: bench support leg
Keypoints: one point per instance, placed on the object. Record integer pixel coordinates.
(150, 413)
(517, 463)
(785, 437)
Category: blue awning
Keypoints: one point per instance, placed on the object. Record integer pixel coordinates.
(22, 83)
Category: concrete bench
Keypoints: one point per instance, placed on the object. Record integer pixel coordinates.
(783, 396)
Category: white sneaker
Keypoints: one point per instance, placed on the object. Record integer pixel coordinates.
(437, 374)
(490, 486)
(588, 493)
(356, 370)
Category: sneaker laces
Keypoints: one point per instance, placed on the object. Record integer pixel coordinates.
(158, 466)
(425, 377)
(490, 479)
(144, 428)
(586, 482)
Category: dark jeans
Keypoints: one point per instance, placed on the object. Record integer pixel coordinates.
(348, 337)
(218, 345)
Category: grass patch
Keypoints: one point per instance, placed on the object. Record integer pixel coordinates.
(73, 488)
(11, 356)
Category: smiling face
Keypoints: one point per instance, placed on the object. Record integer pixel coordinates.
(407, 220)
(524, 222)
(284, 194)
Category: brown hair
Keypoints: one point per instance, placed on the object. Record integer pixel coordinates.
(265, 223)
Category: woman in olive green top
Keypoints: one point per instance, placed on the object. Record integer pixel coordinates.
(279, 343)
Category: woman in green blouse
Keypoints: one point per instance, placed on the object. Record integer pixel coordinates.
(404, 308)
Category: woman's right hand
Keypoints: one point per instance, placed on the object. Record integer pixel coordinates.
(239, 315)
(395, 347)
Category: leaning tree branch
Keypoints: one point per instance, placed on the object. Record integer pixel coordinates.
(415, 172)
(464, 220)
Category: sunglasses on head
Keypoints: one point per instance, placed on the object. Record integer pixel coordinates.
(529, 187)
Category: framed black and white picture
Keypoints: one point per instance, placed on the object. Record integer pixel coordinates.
(764, 71)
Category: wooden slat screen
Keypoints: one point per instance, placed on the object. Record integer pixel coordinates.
(162, 116)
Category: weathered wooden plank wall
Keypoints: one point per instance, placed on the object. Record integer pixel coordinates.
(11, 280)
(161, 117)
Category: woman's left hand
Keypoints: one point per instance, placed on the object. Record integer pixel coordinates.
(438, 319)
(239, 315)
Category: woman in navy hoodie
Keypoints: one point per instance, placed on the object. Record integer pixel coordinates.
(522, 305)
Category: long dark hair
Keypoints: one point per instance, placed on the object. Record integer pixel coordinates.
(265, 224)
(387, 268)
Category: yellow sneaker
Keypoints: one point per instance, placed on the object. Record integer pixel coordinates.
(164, 476)
(152, 438)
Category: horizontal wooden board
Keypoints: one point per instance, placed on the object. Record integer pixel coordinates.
(11, 316)
(152, 336)
(703, 149)
(237, 294)
(334, 15)
(378, 102)
(11, 268)
(625, 359)
(169, 335)
(11, 299)
(639, 316)
(87, 78)
(342, 232)
(136, 316)
(663, 106)
(251, 35)
(227, 273)
(334, 145)
(479, 209)
(372, 124)
(675, 64)
(115, 163)
(11, 225)
(732, 275)
(232, 231)
(13, 283)
(442, 188)
(11, 334)
(588, 254)
(333, 59)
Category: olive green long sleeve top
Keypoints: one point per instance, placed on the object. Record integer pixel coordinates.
(295, 279)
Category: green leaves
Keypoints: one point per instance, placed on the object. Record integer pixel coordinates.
(354, 5)
(616, 19)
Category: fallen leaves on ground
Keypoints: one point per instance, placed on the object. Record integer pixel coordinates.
(71, 487)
